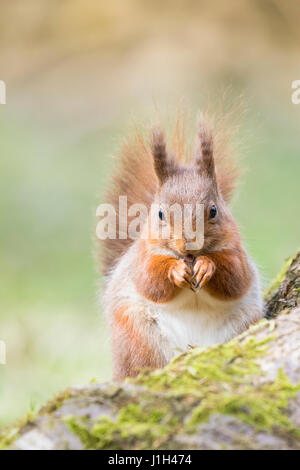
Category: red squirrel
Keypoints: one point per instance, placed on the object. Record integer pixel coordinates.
(160, 297)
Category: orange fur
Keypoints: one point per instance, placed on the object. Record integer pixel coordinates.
(152, 276)
(134, 344)
(232, 276)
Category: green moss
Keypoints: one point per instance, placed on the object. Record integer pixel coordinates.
(221, 378)
(279, 278)
(194, 372)
(136, 426)
(56, 402)
(79, 427)
(8, 436)
(93, 380)
(216, 379)
(261, 407)
(224, 379)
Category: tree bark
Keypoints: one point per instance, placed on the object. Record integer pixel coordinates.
(241, 395)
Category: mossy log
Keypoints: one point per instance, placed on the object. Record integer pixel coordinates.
(241, 395)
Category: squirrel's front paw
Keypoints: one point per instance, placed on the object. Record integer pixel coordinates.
(180, 274)
(203, 271)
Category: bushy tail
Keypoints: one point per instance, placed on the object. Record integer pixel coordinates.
(135, 177)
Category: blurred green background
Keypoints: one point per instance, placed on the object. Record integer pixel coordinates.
(77, 73)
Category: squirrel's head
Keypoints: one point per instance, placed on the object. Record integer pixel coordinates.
(189, 199)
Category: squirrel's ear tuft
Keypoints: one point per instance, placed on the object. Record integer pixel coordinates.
(204, 149)
(159, 152)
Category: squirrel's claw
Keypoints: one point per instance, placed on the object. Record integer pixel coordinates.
(180, 274)
(203, 271)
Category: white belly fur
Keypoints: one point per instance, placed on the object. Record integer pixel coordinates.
(201, 320)
(189, 319)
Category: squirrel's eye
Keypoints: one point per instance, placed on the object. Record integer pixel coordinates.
(161, 215)
(212, 212)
